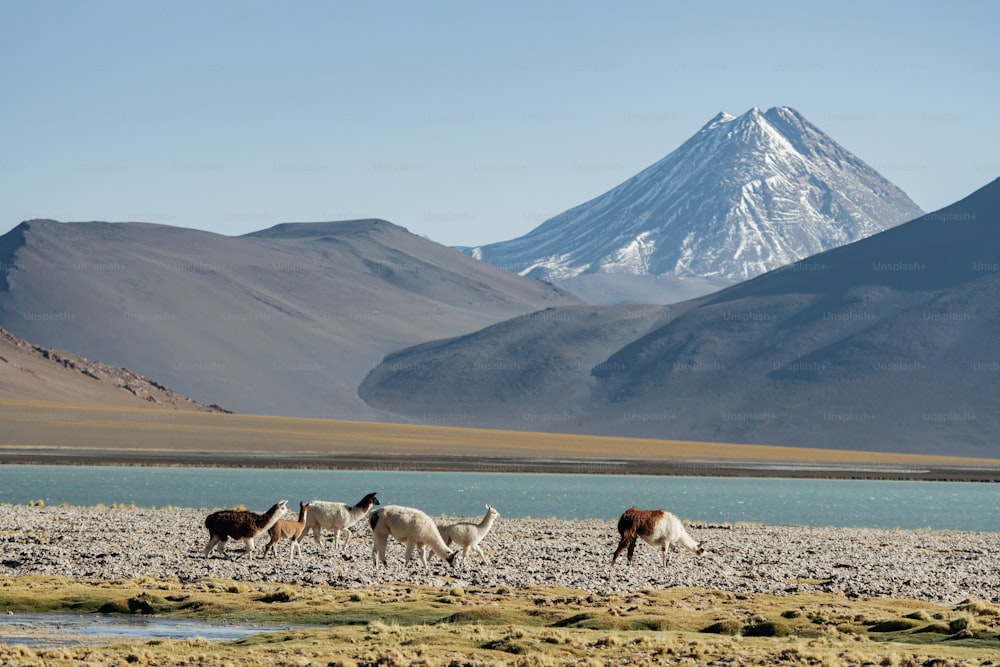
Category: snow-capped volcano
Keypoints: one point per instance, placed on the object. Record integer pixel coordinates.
(744, 195)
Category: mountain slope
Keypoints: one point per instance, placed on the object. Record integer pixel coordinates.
(284, 321)
(743, 196)
(886, 344)
(35, 373)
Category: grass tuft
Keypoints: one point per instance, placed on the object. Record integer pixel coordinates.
(727, 627)
(768, 629)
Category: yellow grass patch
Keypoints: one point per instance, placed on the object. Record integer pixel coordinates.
(99, 431)
(404, 624)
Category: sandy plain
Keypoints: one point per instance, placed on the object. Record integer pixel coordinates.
(67, 433)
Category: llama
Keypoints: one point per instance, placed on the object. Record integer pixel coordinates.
(656, 528)
(240, 525)
(468, 535)
(411, 527)
(338, 517)
(290, 529)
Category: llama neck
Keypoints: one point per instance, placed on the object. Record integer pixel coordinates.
(271, 520)
(487, 521)
(272, 515)
(364, 504)
(687, 542)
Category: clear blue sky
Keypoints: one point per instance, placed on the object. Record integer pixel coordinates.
(466, 122)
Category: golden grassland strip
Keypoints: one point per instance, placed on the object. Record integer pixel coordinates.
(399, 624)
(32, 425)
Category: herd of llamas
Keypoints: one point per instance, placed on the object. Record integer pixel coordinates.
(414, 529)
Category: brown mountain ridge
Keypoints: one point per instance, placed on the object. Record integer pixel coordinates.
(35, 373)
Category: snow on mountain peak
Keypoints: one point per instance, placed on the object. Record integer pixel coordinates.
(721, 117)
(744, 195)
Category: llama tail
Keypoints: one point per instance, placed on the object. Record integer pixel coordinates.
(373, 519)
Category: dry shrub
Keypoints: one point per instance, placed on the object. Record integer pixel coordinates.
(768, 629)
(728, 627)
(977, 608)
(895, 625)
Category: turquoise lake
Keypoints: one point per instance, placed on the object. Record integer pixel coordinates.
(779, 501)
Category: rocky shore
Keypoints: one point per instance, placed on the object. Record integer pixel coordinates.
(125, 543)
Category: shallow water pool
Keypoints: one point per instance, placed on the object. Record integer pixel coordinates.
(58, 629)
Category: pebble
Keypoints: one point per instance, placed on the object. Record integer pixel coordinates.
(110, 544)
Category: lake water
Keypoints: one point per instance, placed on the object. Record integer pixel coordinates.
(778, 501)
(49, 630)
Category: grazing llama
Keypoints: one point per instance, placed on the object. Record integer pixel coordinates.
(411, 527)
(468, 535)
(292, 529)
(338, 517)
(240, 525)
(655, 527)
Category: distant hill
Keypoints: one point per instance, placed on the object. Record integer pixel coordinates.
(35, 373)
(743, 196)
(886, 344)
(284, 321)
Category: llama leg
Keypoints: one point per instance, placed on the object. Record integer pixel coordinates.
(631, 552)
(217, 543)
(378, 549)
(212, 541)
(482, 555)
(666, 553)
(622, 545)
(411, 544)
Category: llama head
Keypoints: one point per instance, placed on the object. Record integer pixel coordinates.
(492, 510)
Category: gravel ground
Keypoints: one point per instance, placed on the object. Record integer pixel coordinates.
(108, 543)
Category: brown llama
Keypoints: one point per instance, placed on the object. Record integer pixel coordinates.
(292, 529)
(655, 527)
(240, 525)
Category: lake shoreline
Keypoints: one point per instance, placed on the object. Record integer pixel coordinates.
(109, 544)
(889, 592)
(433, 463)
